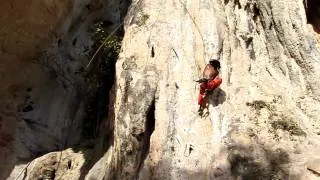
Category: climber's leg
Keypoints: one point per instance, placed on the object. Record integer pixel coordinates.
(205, 90)
(203, 87)
(201, 98)
(202, 101)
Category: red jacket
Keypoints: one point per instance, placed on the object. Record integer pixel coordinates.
(210, 85)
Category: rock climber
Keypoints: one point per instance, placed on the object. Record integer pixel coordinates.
(210, 81)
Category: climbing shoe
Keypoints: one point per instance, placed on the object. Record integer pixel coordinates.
(200, 111)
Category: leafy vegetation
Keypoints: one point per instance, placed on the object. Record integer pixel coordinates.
(111, 43)
(100, 76)
(258, 105)
(277, 121)
(143, 19)
(288, 124)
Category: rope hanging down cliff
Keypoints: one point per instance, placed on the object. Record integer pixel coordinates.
(196, 25)
(104, 42)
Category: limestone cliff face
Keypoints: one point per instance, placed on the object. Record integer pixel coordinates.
(262, 122)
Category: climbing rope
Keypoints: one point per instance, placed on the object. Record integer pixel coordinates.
(196, 25)
(104, 42)
(23, 170)
(99, 49)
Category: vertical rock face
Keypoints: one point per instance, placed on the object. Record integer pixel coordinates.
(263, 121)
(44, 47)
(22, 36)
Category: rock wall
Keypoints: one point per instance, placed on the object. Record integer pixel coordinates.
(22, 36)
(262, 123)
(45, 47)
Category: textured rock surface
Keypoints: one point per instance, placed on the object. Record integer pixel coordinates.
(56, 165)
(314, 167)
(43, 47)
(263, 121)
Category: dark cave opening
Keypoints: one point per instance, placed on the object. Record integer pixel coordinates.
(313, 13)
(100, 77)
(98, 127)
(94, 92)
(150, 123)
(149, 128)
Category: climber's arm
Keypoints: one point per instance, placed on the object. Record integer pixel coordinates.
(214, 83)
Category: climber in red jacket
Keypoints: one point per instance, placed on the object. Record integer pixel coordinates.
(209, 82)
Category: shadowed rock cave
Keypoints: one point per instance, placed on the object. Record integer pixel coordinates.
(108, 36)
(102, 73)
(91, 84)
(149, 126)
(313, 13)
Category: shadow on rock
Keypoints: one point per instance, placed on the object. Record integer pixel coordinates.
(244, 163)
(257, 163)
(217, 97)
